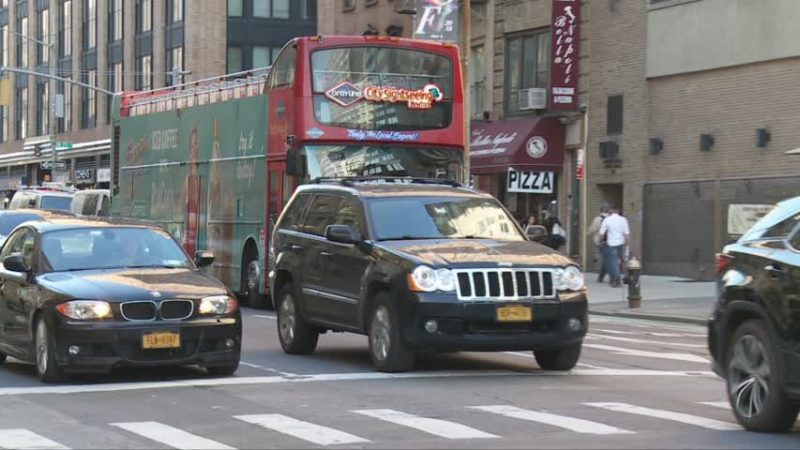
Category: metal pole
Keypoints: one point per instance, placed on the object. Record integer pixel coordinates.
(468, 94)
(53, 77)
(584, 192)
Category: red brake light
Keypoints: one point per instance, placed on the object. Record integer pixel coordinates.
(724, 261)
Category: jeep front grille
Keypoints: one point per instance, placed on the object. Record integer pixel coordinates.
(505, 284)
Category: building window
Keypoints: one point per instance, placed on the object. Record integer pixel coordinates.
(115, 23)
(477, 82)
(308, 9)
(144, 73)
(277, 9)
(264, 56)
(22, 113)
(42, 110)
(527, 67)
(89, 100)
(4, 123)
(89, 24)
(614, 115)
(144, 16)
(4, 45)
(235, 8)
(175, 11)
(22, 42)
(65, 29)
(43, 35)
(64, 124)
(349, 5)
(174, 66)
(234, 59)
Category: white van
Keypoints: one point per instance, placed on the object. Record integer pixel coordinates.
(92, 202)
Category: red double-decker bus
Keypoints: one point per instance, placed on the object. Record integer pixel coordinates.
(216, 161)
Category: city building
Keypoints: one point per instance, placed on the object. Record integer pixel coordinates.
(117, 45)
(693, 107)
(524, 150)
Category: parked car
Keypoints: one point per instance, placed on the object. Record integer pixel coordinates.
(92, 202)
(90, 296)
(420, 265)
(10, 219)
(754, 333)
(45, 198)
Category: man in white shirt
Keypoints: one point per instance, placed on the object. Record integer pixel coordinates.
(616, 231)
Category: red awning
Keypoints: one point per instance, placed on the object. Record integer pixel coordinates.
(526, 144)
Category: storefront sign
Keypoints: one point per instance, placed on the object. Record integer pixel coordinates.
(579, 164)
(57, 165)
(742, 217)
(437, 20)
(530, 182)
(103, 175)
(347, 94)
(84, 174)
(565, 55)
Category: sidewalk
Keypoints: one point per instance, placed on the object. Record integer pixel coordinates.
(663, 298)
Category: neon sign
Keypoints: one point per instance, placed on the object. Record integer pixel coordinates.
(347, 94)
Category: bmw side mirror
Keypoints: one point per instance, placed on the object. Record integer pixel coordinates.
(15, 263)
(203, 259)
(343, 234)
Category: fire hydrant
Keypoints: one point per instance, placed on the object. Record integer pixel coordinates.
(634, 268)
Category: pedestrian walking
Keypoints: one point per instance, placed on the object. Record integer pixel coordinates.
(556, 234)
(594, 234)
(616, 231)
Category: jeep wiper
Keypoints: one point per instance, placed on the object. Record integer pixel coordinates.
(410, 238)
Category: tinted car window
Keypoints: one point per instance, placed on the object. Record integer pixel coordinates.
(15, 243)
(350, 213)
(321, 213)
(292, 220)
(10, 221)
(441, 217)
(111, 248)
(56, 202)
(106, 205)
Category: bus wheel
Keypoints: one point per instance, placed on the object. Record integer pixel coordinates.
(251, 276)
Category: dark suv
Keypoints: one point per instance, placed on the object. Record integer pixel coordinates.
(754, 333)
(420, 265)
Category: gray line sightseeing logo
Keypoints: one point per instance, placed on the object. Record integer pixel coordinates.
(345, 94)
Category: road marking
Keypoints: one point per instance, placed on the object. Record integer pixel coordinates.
(649, 324)
(170, 436)
(722, 405)
(256, 366)
(262, 316)
(646, 354)
(357, 376)
(652, 333)
(436, 427)
(21, 438)
(569, 423)
(646, 341)
(309, 432)
(688, 419)
(530, 355)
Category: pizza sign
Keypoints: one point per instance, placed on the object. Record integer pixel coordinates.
(347, 94)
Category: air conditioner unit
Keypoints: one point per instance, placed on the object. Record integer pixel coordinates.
(534, 98)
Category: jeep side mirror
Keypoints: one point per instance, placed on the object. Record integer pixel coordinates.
(203, 259)
(343, 234)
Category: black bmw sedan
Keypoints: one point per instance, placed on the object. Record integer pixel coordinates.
(754, 333)
(81, 296)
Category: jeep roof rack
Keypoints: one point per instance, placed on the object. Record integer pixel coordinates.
(350, 181)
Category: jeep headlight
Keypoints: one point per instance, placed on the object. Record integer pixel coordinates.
(426, 279)
(569, 279)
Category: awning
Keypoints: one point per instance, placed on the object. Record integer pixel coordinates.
(525, 144)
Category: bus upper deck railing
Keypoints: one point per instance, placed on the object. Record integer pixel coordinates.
(237, 85)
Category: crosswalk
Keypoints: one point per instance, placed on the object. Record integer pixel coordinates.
(419, 426)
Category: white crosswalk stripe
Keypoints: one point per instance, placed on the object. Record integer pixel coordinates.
(645, 341)
(651, 333)
(688, 419)
(170, 436)
(648, 354)
(721, 405)
(436, 427)
(25, 439)
(569, 423)
(309, 432)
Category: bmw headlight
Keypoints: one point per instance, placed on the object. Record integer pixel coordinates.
(569, 279)
(218, 305)
(426, 279)
(85, 310)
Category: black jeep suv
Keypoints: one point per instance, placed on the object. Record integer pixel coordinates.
(420, 265)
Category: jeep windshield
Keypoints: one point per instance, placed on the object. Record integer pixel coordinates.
(338, 161)
(409, 218)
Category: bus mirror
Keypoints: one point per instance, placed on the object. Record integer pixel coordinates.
(293, 162)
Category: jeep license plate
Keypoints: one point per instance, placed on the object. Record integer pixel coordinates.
(514, 314)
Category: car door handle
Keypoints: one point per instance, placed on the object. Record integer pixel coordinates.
(325, 254)
(295, 247)
(774, 269)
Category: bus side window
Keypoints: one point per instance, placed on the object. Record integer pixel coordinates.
(282, 73)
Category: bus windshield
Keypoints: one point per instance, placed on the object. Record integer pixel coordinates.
(369, 88)
(337, 161)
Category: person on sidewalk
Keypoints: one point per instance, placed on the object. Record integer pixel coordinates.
(594, 234)
(617, 231)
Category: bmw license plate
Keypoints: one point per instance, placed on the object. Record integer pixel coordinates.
(514, 314)
(161, 340)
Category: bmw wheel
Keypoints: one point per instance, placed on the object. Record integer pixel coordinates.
(46, 367)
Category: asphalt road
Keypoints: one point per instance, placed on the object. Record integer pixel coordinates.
(639, 385)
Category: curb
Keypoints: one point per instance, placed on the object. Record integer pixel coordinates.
(650, 316)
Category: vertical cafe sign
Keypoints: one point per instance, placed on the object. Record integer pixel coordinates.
(565, 41)
(437, 20)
